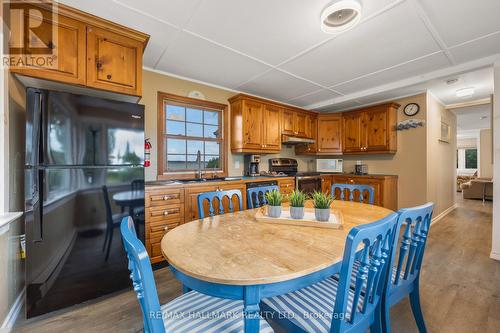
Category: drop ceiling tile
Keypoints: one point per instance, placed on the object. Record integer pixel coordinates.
(162, 35)
(421, 66)
(278, 86)
(477, 49)
(340, 106)
(199, 59)
(460, 21)
(389, 39)
(176, 12)
(315, 97)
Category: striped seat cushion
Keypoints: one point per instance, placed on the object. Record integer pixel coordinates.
(311, 308)
(194, 312)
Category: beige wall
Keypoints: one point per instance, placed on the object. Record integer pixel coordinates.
(11, 267)
(485, 153)
(409, 163)
(441, 157)
(153, 82)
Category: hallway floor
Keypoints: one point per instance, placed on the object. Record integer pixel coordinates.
(460, 286)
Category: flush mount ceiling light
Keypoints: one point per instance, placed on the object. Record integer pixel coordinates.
(465, 92)
(340, 16)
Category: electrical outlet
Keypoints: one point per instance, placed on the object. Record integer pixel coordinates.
(236, 164)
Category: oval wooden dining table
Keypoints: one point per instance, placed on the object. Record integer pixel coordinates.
(236, 256)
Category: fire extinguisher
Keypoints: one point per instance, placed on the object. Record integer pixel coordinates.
(147, 153)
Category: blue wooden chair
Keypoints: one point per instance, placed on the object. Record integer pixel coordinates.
(259, 193)
(192, 312)
(343, 305)
(219, 195)
(364, 191)
(405, 274)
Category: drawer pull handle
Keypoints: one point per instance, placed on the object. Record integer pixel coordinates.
(165, 213)
(166, 228)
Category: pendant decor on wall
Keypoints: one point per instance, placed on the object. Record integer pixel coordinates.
(410, 123)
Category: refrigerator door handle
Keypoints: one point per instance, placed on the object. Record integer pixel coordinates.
(38, 211)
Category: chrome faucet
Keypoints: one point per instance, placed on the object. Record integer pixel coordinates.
(198, 159)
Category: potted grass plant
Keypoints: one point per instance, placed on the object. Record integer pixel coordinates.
(322, 204)
(274, 199)
(297, 200)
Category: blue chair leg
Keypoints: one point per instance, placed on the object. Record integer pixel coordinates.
(377, 326)
(417, 309)
(385, 318)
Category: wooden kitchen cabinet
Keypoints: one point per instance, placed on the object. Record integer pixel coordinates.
(370, 130)
(286, 186)
(296, 123)
(66, 37)
(271, 127)
(114, 62)
(87, 51)
(311, 148)
(329, 138)
(164, 210)
(255, 125)
(385, 187)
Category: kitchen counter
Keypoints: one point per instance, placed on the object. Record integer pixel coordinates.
(233, 180)
(356, 175)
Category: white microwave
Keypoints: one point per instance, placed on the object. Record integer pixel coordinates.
(334, 165)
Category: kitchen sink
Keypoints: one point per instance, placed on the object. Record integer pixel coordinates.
(207, 180)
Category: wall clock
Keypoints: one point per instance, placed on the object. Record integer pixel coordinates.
(411, 109)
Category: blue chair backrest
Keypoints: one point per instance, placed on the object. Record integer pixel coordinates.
(259, 193)
(142, 278)
(373, 241)
(220, 195)
(414, 224)
(364, 190)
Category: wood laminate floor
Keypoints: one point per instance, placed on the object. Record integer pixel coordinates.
(460, 286)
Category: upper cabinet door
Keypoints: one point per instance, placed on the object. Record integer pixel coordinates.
(303, 125)
(271, 124)
(65, 38)
(288, 122)
(114, 62)
(353, 132)
(252, 125)
(376, 130)
(330, 134)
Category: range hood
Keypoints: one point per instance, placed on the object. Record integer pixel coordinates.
(295, 140)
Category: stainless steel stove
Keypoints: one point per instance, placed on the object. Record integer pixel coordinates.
(307, 182)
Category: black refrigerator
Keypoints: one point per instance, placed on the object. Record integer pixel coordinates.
(82, 154)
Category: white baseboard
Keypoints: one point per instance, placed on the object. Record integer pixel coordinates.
(495, 255)
(14, 311)
(443, 214)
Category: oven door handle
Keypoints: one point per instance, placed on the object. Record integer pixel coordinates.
(308, 177)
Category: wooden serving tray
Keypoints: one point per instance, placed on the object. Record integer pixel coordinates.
(309, 220)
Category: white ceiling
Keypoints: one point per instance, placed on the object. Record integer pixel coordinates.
(276, 49)
(473, 117)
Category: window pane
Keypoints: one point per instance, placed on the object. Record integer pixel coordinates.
(176, 162)
(212, 148)
(471, 158)
(176, 146)
(194, 115)
(211, 117)
(192, 163)
(211, 131)
(193, 147)
(194, 130)
(175, 112)
(212, 162)
(176, 128)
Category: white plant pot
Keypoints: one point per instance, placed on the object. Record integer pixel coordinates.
(297, 212)
(322, 214)
(274, 211)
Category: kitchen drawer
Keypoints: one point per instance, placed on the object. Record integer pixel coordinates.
(164, 197)
(164, 213)
(161, 225)
(156, 250)
(286, 186)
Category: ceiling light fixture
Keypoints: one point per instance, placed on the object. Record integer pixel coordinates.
(465, 92)
(340, 16)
